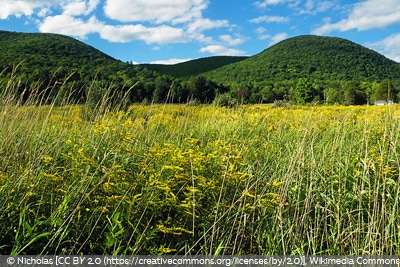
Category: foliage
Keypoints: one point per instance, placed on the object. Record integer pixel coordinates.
(304, 91)
(204, 90)
(224, 100)
(384, 91)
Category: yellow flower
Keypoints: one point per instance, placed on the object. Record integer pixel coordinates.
(164, 250)
(47, 159)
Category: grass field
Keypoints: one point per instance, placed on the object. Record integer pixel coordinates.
(177, 179)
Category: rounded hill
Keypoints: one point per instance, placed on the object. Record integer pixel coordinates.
(48, 49)
(314, 57)
(40, 62)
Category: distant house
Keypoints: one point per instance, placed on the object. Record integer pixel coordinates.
(383, 102)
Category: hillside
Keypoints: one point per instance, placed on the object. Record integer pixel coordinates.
(51, 45)
(42, 52)
(39, 60)
(194, 67)
(312, 57)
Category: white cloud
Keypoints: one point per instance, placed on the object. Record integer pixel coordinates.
(184, 17)
(269, 19)
(68, 25)
(171, 61)
(273, 39)
(221, 50)
(301, 7)
(22, 7)
(278, 37)
(42, 7)
(43, 12)
(195, 29)
(74, 8)
(227, 39)
(165, 15)
(369, 14)
(202, 24)
(91, 5)
(152, 21)
(157, 11)
(388, 46)
(265, 3)
(80, 7)
(261, 32)
(161, 34)
(312, 6)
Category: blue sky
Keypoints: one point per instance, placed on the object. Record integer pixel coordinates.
(171, 31)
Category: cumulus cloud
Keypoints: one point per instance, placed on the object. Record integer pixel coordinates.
(157, 11)
(366, 15)
(162, 22)
(160, 34)
(154, 22)
(42, 7)
(202, 24)
(44, 11)
(196, 28)
(68, 25)
(229, 40)
(221, 50)
(20, 8)
(388, 46)
(79, 7)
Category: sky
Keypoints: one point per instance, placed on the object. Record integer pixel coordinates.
(172, 31)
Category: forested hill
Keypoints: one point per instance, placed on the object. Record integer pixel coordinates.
(42, 52)
(38, 61)
(312, 57)
(51, 45)
(194, 67)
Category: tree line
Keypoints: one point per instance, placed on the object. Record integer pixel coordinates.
(305, 90)
(134, 84)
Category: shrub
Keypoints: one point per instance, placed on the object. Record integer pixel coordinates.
(224, 100)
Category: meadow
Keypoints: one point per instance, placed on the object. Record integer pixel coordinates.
(180, 179)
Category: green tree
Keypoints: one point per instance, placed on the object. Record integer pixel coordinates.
(334, 96)
(267, 94)
(385, 91)
(201, 89)
(353, 94)
(161, 90)
(303, 91)
(243, 94)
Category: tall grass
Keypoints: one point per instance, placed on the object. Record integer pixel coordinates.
(162, 179)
